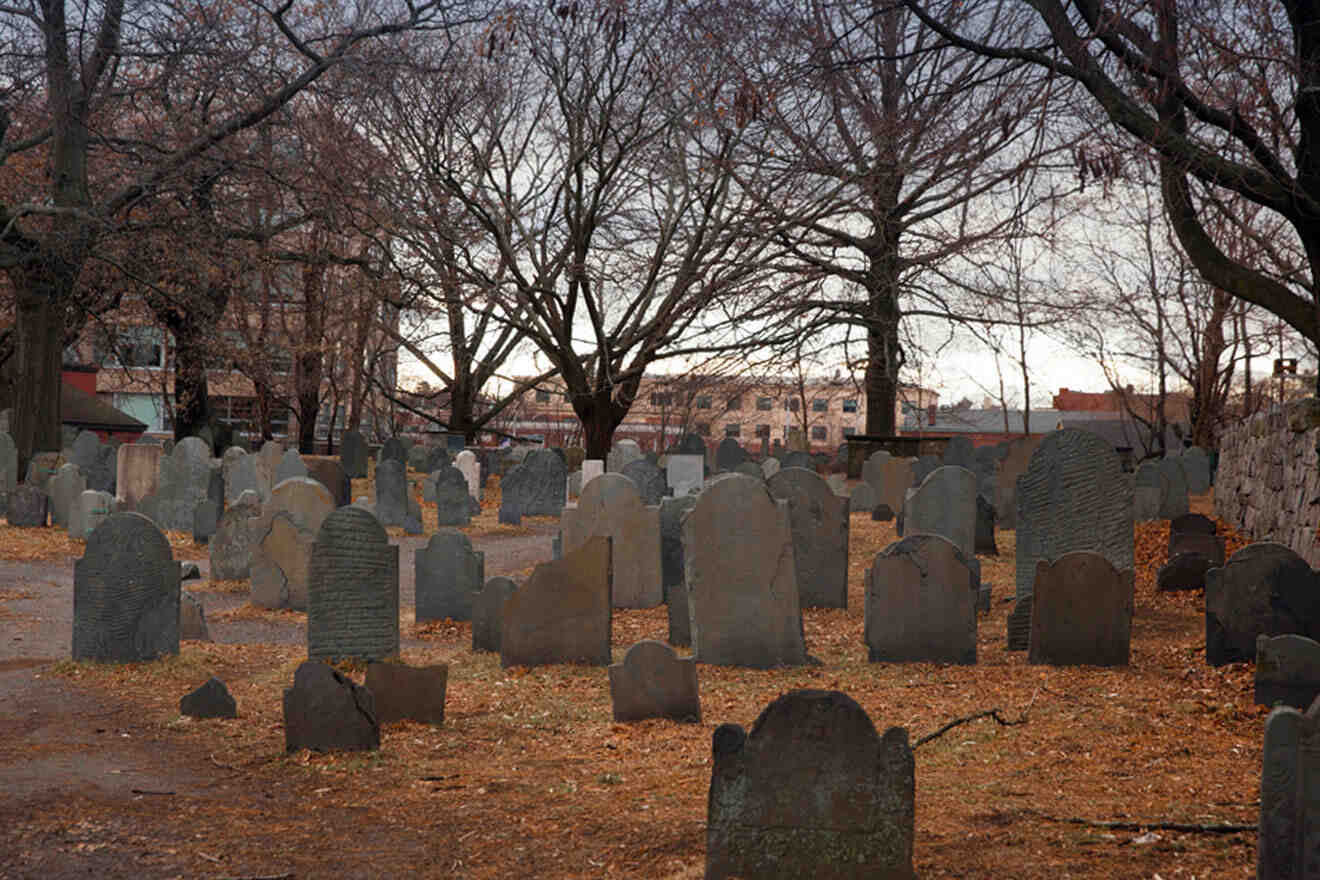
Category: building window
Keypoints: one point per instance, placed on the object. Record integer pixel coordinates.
(765, 403)
(703, 429)
(819, 432)
(791, 404)
(820, 404)
(763, 430)
(543, 397)
(850, 405)
(735, 402)
(660, 398)
(149, 409)
(733, 429)
(848, 430)
(129, 346)
(703, 402)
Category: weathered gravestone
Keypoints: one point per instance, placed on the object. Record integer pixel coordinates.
(28, 506)
(8, 463)
(921, 597)
(453, 503)
(330, 473)
(206, 519)
(418, 456)
(1186, 571)
(1287, 670)
(537, 486)
(391, 492)
(235, 536)
(239, 472)
(291, 465)
(563, 613)
(1013, 464)
(470, 467)
(741, 579)
(652, 682)
(1081, 612)
(91, 458)
(819, 522)
(65, 487)
(984, 541)
(1287, 848)
(126, 593)
(353, 589)
(611, 506)
(750, 469)
(265, 463)
(862, 499)
(944, 504)
(959, 452)
(408, 693)
(353, 454)
(650, 480)
(769, 467)
(324, 711)
(137, 473)
(891, 477)
(813, 791)
(89, 510)
(393, 450)
(211, 700)
(488, 612)
(1265, 589)
(623, 453)
(42, 467)
(449, 577)
(1174, 501)
(729, 454)
(282, 549)
(1196, 466)
(673, 569)
(873, 469)
(185, 482)
(1149, 486)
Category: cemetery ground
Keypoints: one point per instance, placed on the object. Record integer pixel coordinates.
(1152, 770)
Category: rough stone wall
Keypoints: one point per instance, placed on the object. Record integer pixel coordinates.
(1268, 482)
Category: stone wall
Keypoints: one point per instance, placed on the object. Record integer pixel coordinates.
(1268, 482)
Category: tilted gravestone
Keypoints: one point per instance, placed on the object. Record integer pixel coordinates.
(211, 700)
(137, 473)
(1265, 589)
(64, 489)
(28, 506)
(684, 474)
(89, 510)
(1013, 464)
(449, 577)
(1081, 612)
(652, 682)
(621, 455)
(813, 791)
(353, 589)
(488, 612)
(563, 613)
(391, 492)
(673, 571)
(353, 454)
(921, 597)
(537, 486)
(1289, 811)
(650, 480)
(235, 537)
(408, 693)
(282, 550)
(729, 454)
(330, 473)
(742, 581)
(1149, 486)
(944, 504)
(324, 711)
(1196, 466)
(470, 467)
(612, 507)
(126, 593)
(819, 521)
(1287, 670)
(1186, 571)
(453, 504)
(1174, 502)
(192, 617)
(291, 465)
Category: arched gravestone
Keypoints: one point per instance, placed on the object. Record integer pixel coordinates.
(137, 473)
(873, 469)
(468, 465)
(798, 460)
(741, 578)
(1265, 590)
(1174, 502)
(449, 574)
(88, 455)
(393, 450)
(1013, 464)
(1287, 671)
(353, 589)
(921, 595)
(649, 478)
(64, 489)
(1289, 811)
(729, 454)
(391, 492)
(330, 473)
(563, 613)
(1073, 496)
(282, 551)
(453, 504)
(537, 486)
(235, 537)
(624, 453)
(89, 510)
(266, 462)
(652, 682)
(291, 465)
(813, 791)
(1149, 487)
(862, 499)
(185, 478)
(1196, 466)
(944, 504)
(488, 613)
(611, 506)
(819, 522)
(353, 454)
(1081, 612)
(126, 593)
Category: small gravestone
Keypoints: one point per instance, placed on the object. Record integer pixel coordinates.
(862, 499)
(353, 589)
(27, 506)
(391, 492)
(330, 473)
(1186, 571)
(1209, 546)
(729, 454)
(921, 598)
(1265, 589)
(819, 522)
(353, 454)
(470, 467)
(621, 455)
(235, 536)
(611, 506)
(652, 682)
(649, 478)
(418, 456)
(453, 503)
(944, 504)
(206, 519)
(684, 473)
(1149, 486)
(673, 568)
(324, 711)
(282, 549)
(408, 693)
(211, 700)
(813, 791)
(449, 576)
(291, 465)
(563, 613)
(536, 487)
(192, 618)
(1174, 502)
(89, 511)
(126, 593)
(1081, 612)
(1196, 466)
(393, 450)
(1286, 846)
(984, 540)
(67, 484)
(742, 582)
(1287, 670)
(137, 473)
(487, 613)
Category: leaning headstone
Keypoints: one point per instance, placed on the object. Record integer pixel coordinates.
(137, 473)
(126, 593)
(921, 597)
(563, 613)
(353, 589)
(819, 521)
(1149, 486)
(453, 504)
(67, 484)
(353, 454)
(891, 477)
(729, 454)
(1196, 466)
(813, 791)
(468, 465)
(282, 549)
(192, 618)
(28, 506)
(89, 511)
(408, 693)
(652, 682)
(488, 612)
(1081, 612)
(391, 492)
(1287, 671)
(537, 486)
(1286, 839)
(684, 474)
(393, 450)
(984, 540)
(211, 700)
(611, 506)
(944, 504)
(449, 575)
(1174, 503)
(1186, 571)
(650, 480)
(621, 455)
(291, 465)
(324, 711)
(1013, 464)
(330, 473)
(1266, 589)
(235, 536)
(206, 519)
(741, 582)
(673, 569)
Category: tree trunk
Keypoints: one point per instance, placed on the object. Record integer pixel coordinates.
(599, 417)
(192, 401)
(884, 356)
(310, 355)
(39, 326)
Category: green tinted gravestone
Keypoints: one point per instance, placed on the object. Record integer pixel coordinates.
(126, 593)
(353, 589)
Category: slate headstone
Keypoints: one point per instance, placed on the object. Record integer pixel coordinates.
(210, 700)
(42, 467)
(563, 613)
(652, 682)
(206, 519)
(1186, 571)
(324, 711)
(353, 589)
(984, 540)
(1081, 612)
(330, 473)
(282, 545)
(1265, 589)
(611, 506)
(1174, 503)
(1287, 671)
(185, 482)
(353, 454)
(959, 452)
(536, 487)
(673, 571)
(819, 521)
(8, 463)
(488, 612)
(239, 471)
(393, 450)
(750, 469)
(862, 499)
(1289, 814)
(408, 693)
(391, 492)
(235, 536)
(449, 575)
(1196, 467)
(649, 478)
(453, 503)
(64, 488)
(28, 506)
(921, 598)
(1149, 487)
(798, 460)
(125, 593)
(266, 463)
(944, 504)
(728, 455)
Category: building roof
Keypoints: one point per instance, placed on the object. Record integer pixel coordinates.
(1118, 430)
(83, 410)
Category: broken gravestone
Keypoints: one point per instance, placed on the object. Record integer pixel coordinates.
(563, 613)
(1289, 813)
(1265, 589)
(325, 711)
(921, 597)
(408, 693)
(211, 700)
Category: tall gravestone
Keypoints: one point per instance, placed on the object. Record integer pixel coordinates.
(649, 478)
(393, 449)
(921, 596)
(813, 791)
(65, 487)
(537, 486)
(1264, 590)
(266, 464)
(819, 522)
(353, 589)
(1286, 846)
(741, 580)
(673, 574)
(944, 504)
(88, 511)
(391, 492)
(239, 472)
(621, 455)
(330, 473)
(453, 504)
(283, 549)
(89, 455)
(236, 534)
(1012, 464)
(1174, 502)
(1081, 612)
(563, 613)
(1149, 486)
(1196, 466)
(470, 467)
(611, 506)
(353, 454)
(449, 576)
(126, 593)
(291, 465)
(137, 473)
(729, 454)
(488, 613)
(185, 482)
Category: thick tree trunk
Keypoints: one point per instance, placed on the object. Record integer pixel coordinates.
(311, 358)
(884, 355)
(39, 327)
(192, 400)
(599, 417)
